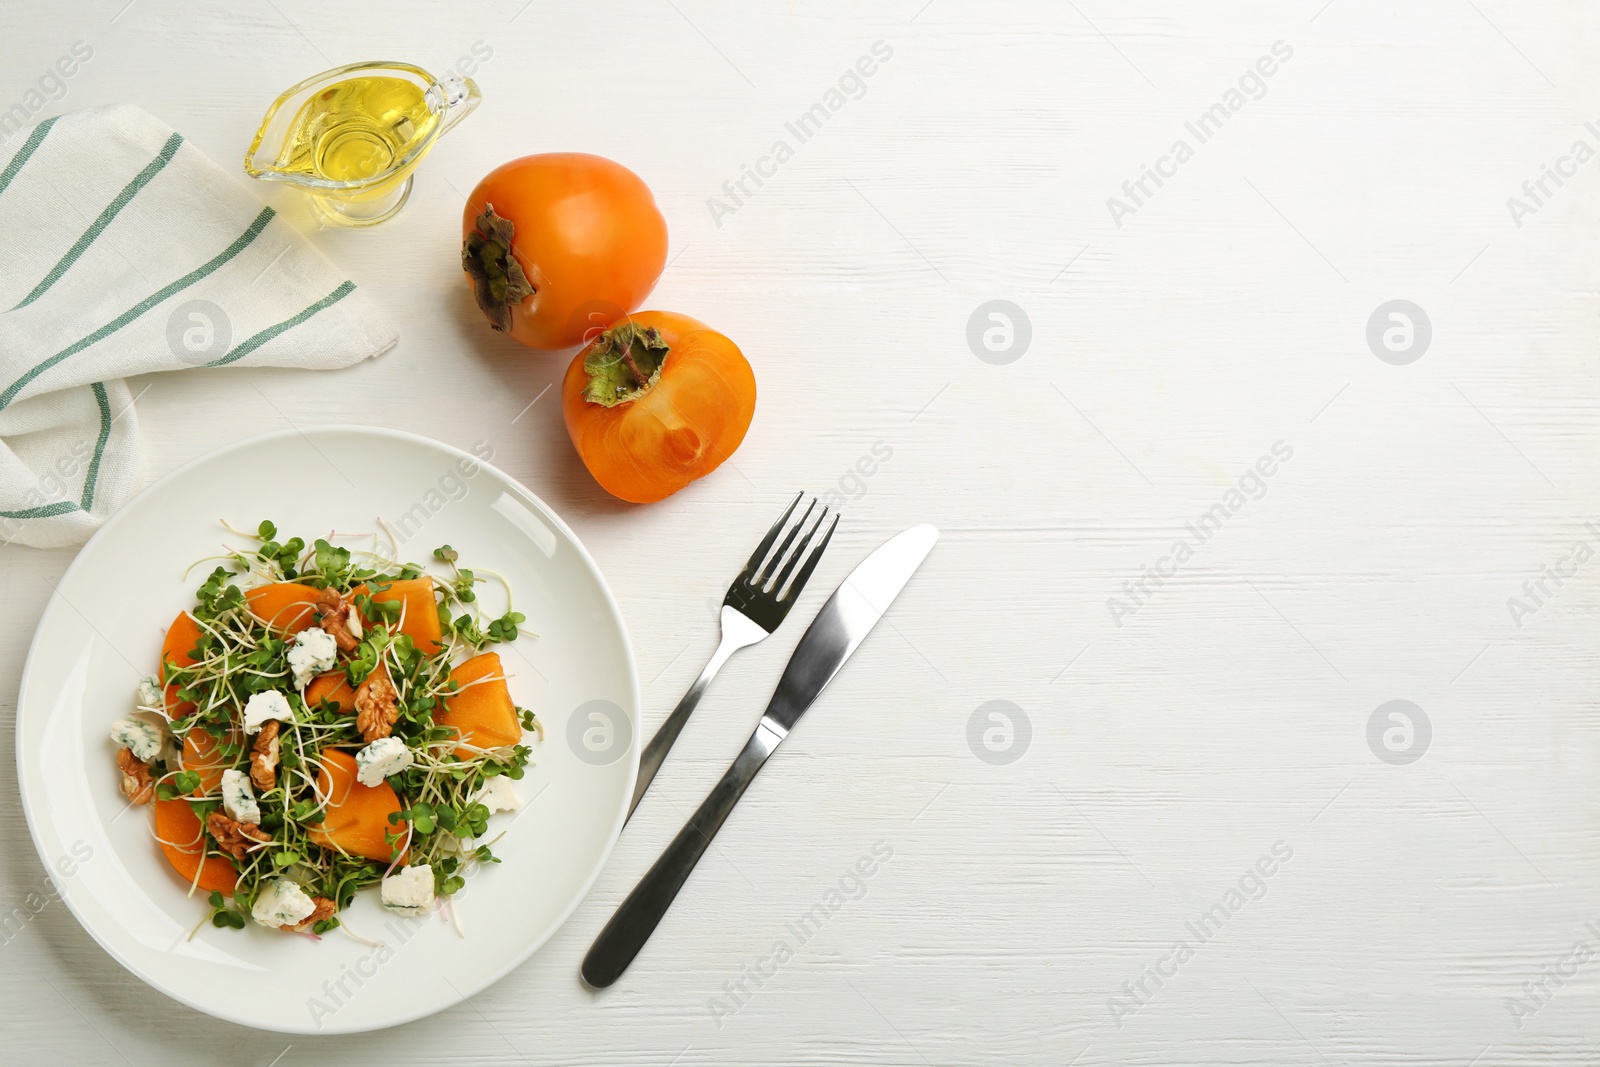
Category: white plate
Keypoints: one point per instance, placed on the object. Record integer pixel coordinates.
(102, 631)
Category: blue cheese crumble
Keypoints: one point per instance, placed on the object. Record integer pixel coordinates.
(313, 652)
(149, 693)
(263, 706)
(409, 891)
(137, 736)
(282, 903)
(238, 799)
(385, 756)
(498, 794)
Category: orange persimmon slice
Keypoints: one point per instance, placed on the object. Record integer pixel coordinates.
(333, 686)
(286, 606)
(201, 755)
(357, 816)
(420, 611)
(481, 709)
(178, 829)
(178, 648)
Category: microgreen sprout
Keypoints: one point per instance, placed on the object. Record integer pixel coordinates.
(222, 915)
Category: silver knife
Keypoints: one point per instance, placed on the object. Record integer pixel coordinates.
(847, 617)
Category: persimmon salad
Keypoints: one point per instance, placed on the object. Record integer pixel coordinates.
(325, 721)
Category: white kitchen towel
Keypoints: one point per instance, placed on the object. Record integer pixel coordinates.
(126, 251)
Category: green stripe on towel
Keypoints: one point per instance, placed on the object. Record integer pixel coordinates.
(239, 245)
(97, 227)
(63, 507)
(244, 348)
(104, 403)
(60, 507)
(25, 151)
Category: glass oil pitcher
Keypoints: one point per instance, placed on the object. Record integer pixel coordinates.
(352, 136)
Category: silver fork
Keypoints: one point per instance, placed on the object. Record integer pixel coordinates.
(756, 604)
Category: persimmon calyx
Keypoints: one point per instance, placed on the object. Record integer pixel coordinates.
(498, 281)
(623, 364)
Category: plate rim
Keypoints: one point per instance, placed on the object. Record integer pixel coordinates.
(57, 599)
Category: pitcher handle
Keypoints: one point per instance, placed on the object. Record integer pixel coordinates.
(461, 98)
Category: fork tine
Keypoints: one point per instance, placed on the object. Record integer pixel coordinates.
(772, 535)
(794, 557)
(783, 547)
(811, 560)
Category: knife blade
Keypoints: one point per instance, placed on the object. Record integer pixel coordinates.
(837, 631)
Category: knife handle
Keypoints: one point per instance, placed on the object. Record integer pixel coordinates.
(638, 916)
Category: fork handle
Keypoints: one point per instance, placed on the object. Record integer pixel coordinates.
(639, 915)
(655, 753)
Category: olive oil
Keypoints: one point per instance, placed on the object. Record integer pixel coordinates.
(357, 129)
(352, 137)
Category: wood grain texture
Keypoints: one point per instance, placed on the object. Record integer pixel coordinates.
(1168, 754)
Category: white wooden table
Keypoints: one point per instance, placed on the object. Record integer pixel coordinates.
(1177, 734)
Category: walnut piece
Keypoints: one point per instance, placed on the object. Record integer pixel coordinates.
(338, 618)
(377, 706)
(264, 756)
(234, 838)
(324, 909)
(136, 783)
